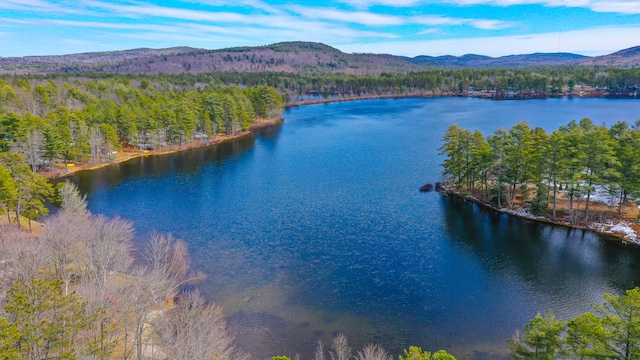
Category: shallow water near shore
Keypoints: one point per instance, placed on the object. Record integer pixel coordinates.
(316, 226)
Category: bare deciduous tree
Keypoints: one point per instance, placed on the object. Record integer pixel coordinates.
(340, 349)
(97, 144)
(145, 292)
(64, 238)
(168, 262)
(108, 248)
(373, 352)
(195, 330)
(320, 351)
(23, 257)
(32, 148)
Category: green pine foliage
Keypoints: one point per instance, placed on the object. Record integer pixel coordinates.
(611, 331)
(416, 353)
(541, 339)
(42, 322)
(535, 165)
(147, 115)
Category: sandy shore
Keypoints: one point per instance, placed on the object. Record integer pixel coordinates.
(126, 154)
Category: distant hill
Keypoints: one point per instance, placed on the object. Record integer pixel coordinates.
(627, 58)
(286, 57)
(83, 62)
(480, 61)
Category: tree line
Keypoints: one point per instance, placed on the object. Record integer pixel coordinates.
(55, 120)
(542, 168)
(543, 80)
(435, 81)
(293, 86)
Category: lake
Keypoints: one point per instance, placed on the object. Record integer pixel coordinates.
(316, 227)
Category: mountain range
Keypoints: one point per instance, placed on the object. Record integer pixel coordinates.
(289, 57)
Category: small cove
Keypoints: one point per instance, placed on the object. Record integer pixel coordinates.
(316, 226)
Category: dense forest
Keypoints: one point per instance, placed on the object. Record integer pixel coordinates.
(548, 81)
(85, 120)
(541, 168)
(43, 123)
(293, 87)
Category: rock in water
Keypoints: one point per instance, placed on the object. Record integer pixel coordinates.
(439, 186)
(427, 187)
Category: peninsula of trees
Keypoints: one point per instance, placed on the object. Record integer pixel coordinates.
(538, 170)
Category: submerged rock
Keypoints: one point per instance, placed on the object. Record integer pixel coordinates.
(427, 187)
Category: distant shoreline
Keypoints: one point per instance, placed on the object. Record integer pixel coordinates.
(433, 94)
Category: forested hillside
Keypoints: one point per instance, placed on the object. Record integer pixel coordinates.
(57, 120)
(291, 57)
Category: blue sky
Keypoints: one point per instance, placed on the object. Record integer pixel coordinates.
(399, 27)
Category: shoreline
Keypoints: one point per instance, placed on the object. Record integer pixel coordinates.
(434, 94)
(368, 97)
(124, 156)
(129, 155)
(543, 219)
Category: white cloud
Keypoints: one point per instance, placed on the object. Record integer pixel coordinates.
(369, 3)
(621, 7)
(374, 19)
(485, 24)
(173, 13)
(429, 31)
(357, 17)
(482, 24)
(596, 41)
(432, 20)
(7, 21)
(33, 5)
(256, 4)
(612, 6)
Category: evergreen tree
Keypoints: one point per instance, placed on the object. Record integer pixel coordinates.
(541, 339)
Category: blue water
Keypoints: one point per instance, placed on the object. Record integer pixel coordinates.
(316, 227)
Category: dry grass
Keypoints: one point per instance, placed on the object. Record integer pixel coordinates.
(36, 227)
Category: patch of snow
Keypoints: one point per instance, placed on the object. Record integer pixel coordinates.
(622, 227)
(522, 212)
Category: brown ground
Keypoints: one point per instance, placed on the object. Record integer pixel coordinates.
(598, 212)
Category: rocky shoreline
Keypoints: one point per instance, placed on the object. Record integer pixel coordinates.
(619, 230)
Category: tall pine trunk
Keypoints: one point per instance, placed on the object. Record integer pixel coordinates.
(571, 208)
(586, 206)
(555, 196)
